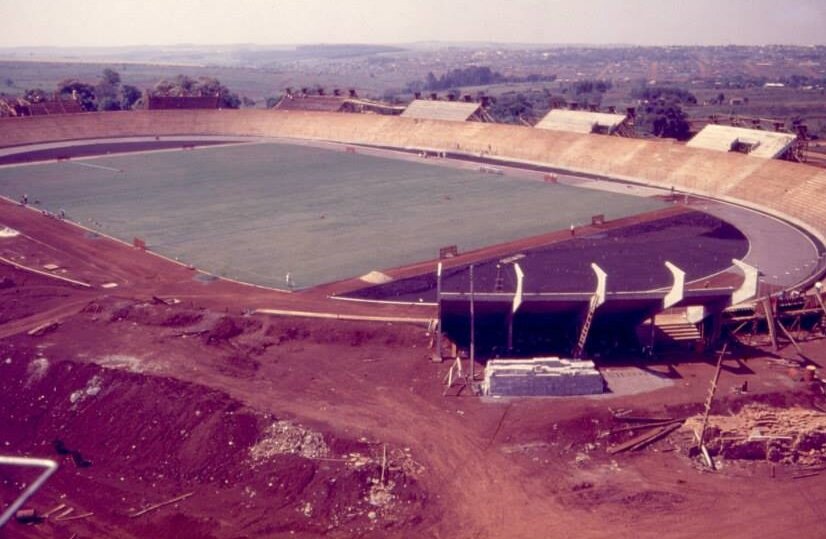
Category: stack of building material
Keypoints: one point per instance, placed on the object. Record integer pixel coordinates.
(541, 376)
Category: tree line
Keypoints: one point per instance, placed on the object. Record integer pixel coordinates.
(470, 76)
(108, 93)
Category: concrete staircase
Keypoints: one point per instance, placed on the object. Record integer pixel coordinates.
(672, 330)
(678, 331)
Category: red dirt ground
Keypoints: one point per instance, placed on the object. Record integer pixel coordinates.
(161, 400)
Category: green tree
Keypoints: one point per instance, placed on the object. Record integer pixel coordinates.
(592, 86)
(109, 91)
(670, 122)
(182, 86)
(129, 95)
(110, 76)
(670, 93)
(35, 95)
(179, 86)
(431, 82)
(108, 103)
(212, 86)
(84, 93)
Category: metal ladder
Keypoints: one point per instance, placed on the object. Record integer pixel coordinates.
(710, 398)
(500, 279)
(586, 327)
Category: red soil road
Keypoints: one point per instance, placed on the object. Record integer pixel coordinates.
(523, 468)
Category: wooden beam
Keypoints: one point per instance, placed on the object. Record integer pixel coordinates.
(767, 308)
(793, 341)
(161, 504)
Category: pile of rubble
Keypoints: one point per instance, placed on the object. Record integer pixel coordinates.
(286, 438)
(757, 432)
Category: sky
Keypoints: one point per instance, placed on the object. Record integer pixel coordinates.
(74, 23)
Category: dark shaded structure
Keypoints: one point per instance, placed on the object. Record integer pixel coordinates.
(182, 102)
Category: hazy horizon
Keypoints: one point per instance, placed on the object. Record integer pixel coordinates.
(129, 23)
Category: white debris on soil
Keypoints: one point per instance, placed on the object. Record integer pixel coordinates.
(92, 388)
(357, 460)
(37, 369)
(307, 509)
(397, 460)
(6, 232)
(381, 495)
(122, 362)
(285, 438)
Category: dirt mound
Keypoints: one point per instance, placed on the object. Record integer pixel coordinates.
(759, 432)
(588, 495)
(149, 314)
(285, 330)
(146, 438)
(654, 500)
(252, 335)
(223, 330)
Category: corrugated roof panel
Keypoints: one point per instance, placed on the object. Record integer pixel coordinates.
(455, 111)
(722, 138)
(580, 121)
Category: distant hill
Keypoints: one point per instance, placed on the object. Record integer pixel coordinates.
(221, 55)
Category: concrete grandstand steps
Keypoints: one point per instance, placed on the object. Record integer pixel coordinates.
(672, 327)
(679, 332)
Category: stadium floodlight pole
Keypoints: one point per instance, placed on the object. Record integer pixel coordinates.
(49, 467)
(472, 327)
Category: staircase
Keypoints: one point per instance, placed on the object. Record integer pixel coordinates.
(672, 333)
(678, 331)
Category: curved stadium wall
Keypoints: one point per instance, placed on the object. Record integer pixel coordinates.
(791, 191)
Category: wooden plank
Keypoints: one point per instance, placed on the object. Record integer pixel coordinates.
(662, 434)
(647, 425)
(76, 517)
(625, 446)
(161, 504)
(639, 419)
(54, 510)
(792, 339)
(767, 308)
